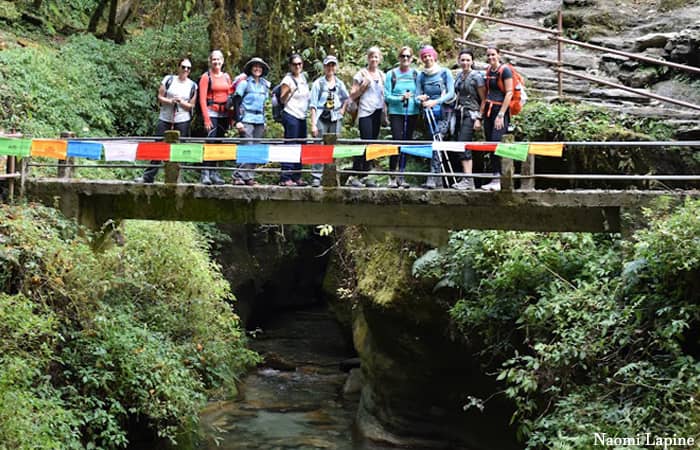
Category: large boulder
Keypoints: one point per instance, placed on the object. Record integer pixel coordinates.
(418, 374)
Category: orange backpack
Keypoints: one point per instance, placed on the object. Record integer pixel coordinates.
(519, 95)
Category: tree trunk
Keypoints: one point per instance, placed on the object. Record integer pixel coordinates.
(112, 21)
(225, 30)
(96, 15)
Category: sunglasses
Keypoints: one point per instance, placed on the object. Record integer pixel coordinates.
(186, 67)
(406, 56)
(298, 64)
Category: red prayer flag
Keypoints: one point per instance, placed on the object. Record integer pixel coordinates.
(316, 154)
(158, 151)
(481, 146)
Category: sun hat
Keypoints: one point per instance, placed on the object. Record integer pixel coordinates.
(248, 68)
(330, 59)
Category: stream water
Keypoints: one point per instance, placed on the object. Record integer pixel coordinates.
(295, 400)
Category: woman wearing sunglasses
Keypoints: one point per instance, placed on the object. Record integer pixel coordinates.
(400, 95)
(176, 96)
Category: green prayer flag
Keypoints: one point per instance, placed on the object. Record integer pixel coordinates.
(191, 153)
(15, 147)
(513, 151)
(346, 151)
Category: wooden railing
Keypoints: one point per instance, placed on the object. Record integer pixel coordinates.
(558, 36)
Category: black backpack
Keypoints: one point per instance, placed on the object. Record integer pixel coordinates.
(277, 105)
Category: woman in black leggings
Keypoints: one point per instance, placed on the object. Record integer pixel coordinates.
(494, 108)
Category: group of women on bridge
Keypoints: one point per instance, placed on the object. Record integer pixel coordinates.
(454, 106)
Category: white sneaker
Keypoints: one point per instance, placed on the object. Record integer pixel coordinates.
(467, 184)
(494, 185)
(393, 183)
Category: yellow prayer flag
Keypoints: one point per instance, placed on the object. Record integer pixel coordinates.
(49, 148)
(375, 151)
(219, 152)
(553, 149)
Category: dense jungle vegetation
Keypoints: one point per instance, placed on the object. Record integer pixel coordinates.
(587, 333)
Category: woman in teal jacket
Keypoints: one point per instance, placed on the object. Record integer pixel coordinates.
(400, 96)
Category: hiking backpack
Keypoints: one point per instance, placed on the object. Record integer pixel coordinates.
(210, 94)
(519, 95)
(277, 105)
(393, 78)
(448, 104)
(233, 102)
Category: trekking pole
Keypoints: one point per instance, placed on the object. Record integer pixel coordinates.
(430, 118)
(402, 156)
(437, 136)
(172, 122)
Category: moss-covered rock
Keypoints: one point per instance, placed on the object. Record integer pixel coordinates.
(418, 376)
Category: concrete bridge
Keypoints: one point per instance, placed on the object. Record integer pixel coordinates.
(94, 202)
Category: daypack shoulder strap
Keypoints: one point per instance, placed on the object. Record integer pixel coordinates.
(169, 82)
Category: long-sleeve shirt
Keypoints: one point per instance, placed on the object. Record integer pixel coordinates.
(253, 97)
(396, 85)
(439, 86)
(319, 96)
(213, 104)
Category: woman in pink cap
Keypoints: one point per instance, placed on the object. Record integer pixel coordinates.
(434, 88)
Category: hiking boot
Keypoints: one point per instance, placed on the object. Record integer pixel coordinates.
(316, 182)
(143, 180)
(204, 179)
(429, 184)
(354, 182)
(403, 184)
(467, 184)
(393, 183)
(216, 178)
(369, 182)
(494, 185)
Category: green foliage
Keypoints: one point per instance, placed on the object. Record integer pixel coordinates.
(31, 409)
(93, 87)
(351, 29)
(591, 333)
(88, 343)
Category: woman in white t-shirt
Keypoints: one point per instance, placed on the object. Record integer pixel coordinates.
(295, 96)
(176, 96)
(368, 92)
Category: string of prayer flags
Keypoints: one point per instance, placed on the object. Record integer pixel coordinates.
(220, 152)
(253, 154)
(84, 149)
(285, 153)
(513, 151)
(153, 151)
(347, 151)
(187, 153)
(316, 154)
(548, 149)
(49, 148)
(447, 146)
(422, 151)
(481, 146)
(15, 147)
(120, 151)
(374, 151)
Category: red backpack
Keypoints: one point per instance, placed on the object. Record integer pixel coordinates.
(519, 95)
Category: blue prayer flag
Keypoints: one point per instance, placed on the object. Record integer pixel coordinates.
(85, 149)
(253, 154)
(424, 151)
